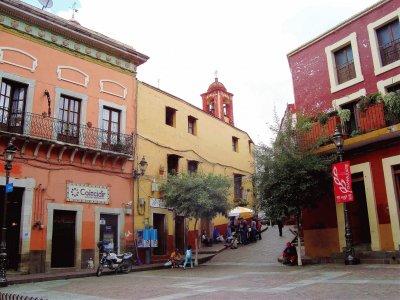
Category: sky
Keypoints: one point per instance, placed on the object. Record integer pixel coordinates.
(246, 42)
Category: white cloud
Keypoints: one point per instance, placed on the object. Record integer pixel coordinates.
(246, 41)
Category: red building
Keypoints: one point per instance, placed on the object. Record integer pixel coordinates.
(340, 71)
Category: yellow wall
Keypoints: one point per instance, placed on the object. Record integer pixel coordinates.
(211, 146)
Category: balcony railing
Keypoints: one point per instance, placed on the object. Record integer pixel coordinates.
(345, 72)
(43, 127)
(371, 119)
(390, 52)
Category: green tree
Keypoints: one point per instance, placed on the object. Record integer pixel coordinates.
(197, 196)
(288, 177)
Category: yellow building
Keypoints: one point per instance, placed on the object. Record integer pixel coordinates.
(175, 136)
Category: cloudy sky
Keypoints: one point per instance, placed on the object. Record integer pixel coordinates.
(188, 40)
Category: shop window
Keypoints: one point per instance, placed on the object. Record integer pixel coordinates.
(192, 125)
(170, 116)
(235, 142)
(69, 117)
(12, 105)
(192, 166)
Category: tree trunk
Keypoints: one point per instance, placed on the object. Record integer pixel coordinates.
(196, 239)
(299, 262)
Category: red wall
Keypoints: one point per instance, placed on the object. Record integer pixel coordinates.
(310, 70)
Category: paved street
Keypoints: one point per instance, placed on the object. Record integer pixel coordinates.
(248, 272)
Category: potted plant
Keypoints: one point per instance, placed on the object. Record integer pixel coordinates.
(344, 115)
(322, 118)
(392, 107)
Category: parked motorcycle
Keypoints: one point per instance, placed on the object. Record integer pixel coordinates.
(115, 262)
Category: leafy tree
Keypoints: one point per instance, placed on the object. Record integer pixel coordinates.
(289, 177)
(197, 196)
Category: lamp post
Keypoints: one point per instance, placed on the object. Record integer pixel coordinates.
(350, 259)
(9, 153)
(139, 172)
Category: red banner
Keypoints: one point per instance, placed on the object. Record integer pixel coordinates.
(342, 182)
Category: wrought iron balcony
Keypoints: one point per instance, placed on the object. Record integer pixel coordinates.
(346, 72)
(390, 52)
(51, 129)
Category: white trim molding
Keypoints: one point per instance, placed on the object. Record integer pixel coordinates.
(124, 88)
(365, 168)
(373, 39)
(330, 57)
(384, 84)
(34, 59)
(85, 76)
(394, 209)
(349, 98)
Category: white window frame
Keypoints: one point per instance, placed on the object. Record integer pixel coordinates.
(373, 39)
(330, 57)
(121, 108)
(337, 103)
(384, 84)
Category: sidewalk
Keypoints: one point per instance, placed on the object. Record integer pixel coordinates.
(205, 254)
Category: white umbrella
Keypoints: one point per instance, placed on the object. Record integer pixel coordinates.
(240, 211)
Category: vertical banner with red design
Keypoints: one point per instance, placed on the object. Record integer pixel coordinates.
(342, 182)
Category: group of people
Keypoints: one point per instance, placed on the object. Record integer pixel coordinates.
(176, 259)
(239, 231)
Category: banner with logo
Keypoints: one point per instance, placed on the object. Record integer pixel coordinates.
(342, 182)
(88, 193)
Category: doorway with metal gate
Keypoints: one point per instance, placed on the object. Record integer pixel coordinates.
(63, 239)
(13, 225)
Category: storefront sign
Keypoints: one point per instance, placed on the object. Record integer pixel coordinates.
(88, 193)
(342, 182)
(157, 203)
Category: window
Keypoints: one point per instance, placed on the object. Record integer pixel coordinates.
(235, 141)
(396, 173)
(192, 125)
(12, 105)
(389, 42)
(111, 121)
(173, 164)
(388, 85)
(192, 166)
(384, 37)
(344, 66)
(170, 116)
(69, 116)
(393, 88)
(237, 181)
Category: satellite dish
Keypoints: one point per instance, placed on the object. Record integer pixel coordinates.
(46, 3)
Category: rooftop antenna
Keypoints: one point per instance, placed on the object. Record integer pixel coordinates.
(46, 3)
(158, 83)
(74, 10)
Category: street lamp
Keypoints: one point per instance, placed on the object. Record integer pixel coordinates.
(349, 259)
(142, 166)
(9, 154)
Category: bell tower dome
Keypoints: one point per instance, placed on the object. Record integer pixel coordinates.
(217, 101)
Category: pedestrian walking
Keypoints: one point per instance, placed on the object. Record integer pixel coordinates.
(280, 226)
(188, 257)
(253, 232)
(259, 229)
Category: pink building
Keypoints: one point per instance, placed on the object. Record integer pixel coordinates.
(339, 71)
(67, 101)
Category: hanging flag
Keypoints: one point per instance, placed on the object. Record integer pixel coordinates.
(342, 182)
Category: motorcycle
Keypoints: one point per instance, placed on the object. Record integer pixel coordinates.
(115, 262)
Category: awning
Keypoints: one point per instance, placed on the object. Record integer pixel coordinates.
(241, 212)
